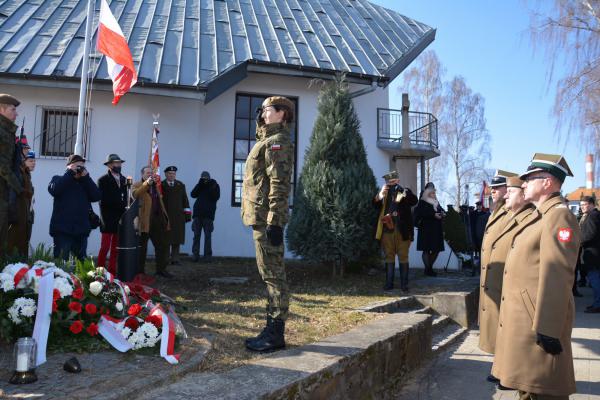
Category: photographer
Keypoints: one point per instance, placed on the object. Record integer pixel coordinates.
(395, 227)
(73, 194)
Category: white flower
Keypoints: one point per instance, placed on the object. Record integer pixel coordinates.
(91, 274)
(100, 270)
(119, 306)
(126, 332)
(22, 307)
(145, 336)
(64, 287)
(44, 264)
(7, 282)
(96, 288)
(12, 269)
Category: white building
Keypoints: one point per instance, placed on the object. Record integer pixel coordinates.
(204, 66)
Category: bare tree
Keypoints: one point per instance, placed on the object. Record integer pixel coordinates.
(568, 32)
(423, 83)
(466, 139)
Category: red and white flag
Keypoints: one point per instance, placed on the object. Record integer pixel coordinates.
(112, 43)
(154, 158)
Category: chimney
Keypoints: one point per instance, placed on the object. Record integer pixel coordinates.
(589, 171)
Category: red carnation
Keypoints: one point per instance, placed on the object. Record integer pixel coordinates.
(134, 310)
(76, 327)
(132, 323)
(56, 294)
(78, 293)
(90, 309)
(92, 330)
(155, 320)
(75, 307)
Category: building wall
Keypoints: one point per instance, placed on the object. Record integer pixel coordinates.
(194, 137)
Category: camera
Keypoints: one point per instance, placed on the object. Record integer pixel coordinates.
(79, 169)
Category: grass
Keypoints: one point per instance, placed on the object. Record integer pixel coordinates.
(319, 305)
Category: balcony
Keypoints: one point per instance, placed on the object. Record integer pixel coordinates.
(421, 136)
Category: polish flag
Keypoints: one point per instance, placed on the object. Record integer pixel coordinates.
(112, 43)
(154, 158)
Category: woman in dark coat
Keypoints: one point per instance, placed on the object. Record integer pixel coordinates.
(428, 216)
(113, 187)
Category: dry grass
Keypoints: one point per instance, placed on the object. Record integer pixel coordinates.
(320, 306)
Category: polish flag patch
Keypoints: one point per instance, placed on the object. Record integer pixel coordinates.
(565, 235)
(275, 147)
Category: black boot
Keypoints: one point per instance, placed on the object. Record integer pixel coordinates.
(263, 333)
(272, 340)
(404, 277)
(389, 276)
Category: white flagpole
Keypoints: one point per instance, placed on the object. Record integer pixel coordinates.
(84, 75)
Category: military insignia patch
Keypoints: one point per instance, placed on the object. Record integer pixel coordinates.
(565, 234)
(275, 147)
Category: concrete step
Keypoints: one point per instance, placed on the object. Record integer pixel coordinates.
(418, 309)
(440, 322)
(444, 334)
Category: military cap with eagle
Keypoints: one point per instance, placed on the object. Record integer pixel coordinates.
(390, 175)
(554, 164)
(500, 177)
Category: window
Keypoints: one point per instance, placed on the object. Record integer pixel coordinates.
(59, 131)
(245, 137)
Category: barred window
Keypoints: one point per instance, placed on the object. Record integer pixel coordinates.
(244, 138)
(59, 132)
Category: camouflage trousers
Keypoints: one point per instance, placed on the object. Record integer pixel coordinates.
(269, 260)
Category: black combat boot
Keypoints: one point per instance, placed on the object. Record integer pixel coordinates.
(404, 277)
(389, 276)
(272, 340)
(263, 333)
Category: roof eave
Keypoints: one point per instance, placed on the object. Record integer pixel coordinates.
(401, 64)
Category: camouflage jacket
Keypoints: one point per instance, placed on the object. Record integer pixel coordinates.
(8, 179)
(267, 181)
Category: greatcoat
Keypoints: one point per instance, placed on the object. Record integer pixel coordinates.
(537, 298)
(176, 201)
(490, 289)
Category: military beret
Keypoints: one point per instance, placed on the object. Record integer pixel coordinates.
(73, 158)
(8, 99)
(500, 177)
(280, 101)
(390, 175)
(554, 164)
(513, 181)
(171, 168)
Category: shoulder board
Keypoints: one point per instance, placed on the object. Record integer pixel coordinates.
(561, 206)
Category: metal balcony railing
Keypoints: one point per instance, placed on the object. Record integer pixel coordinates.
(422, 127)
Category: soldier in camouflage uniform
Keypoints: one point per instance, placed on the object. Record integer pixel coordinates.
(265, 194)
(8, 179)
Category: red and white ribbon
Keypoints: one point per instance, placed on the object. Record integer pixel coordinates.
(43, 314)
(109, 328)
(167, 340)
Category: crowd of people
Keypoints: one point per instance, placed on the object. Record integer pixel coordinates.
(531, 246)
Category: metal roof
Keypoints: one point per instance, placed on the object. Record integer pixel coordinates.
(211, 44)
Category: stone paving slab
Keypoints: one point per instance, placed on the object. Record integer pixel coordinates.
(105, 376)
(230, 280)
(363, 360)
(460, 372)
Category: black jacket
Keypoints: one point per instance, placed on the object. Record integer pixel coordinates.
(112, 202)
(590, 241)
(431, 231)
(206, 193)
(72, 203)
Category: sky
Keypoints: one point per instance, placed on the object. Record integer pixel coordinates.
(487, 42)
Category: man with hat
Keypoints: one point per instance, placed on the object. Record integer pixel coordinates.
(491, 275)
(8, 178)
(113, 187)
(395, 229)
(178, 209)
(206, 192)
(533, 346)
(73, 193)
(19, 230)
(265, 197)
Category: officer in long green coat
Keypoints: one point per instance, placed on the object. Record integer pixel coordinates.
(265, 194)
(8, 179)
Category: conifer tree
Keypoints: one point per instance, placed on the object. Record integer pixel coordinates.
(333, 220)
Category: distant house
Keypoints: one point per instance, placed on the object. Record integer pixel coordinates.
(205, 66)
(575, 197)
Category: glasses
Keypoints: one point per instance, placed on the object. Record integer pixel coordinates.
(532, 178)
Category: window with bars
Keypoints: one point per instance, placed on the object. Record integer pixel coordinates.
(59, 132)
(245, 137)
